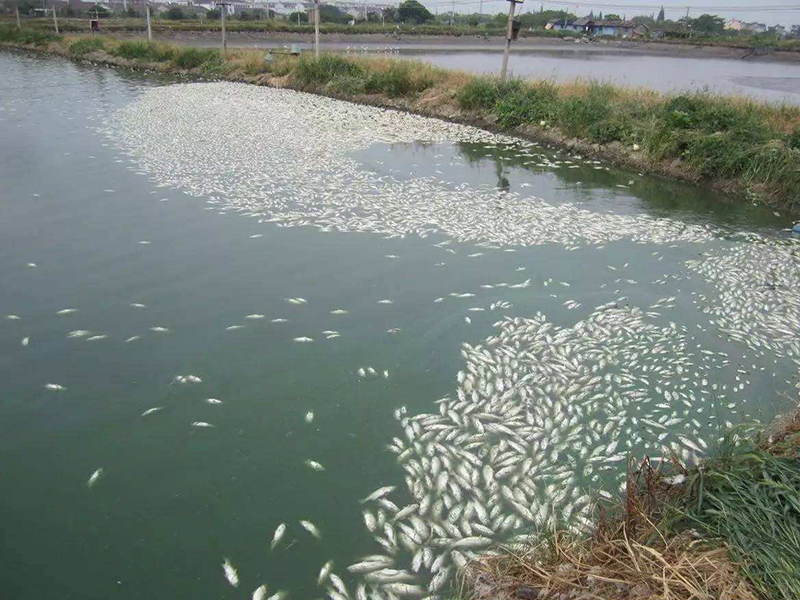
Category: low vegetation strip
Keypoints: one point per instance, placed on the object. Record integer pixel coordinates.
(727, 528)
(734, 144)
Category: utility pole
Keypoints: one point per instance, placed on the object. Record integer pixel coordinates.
(16, 12)
(316, 28)
(147, 17)
(222, 15)
(55, 20)
(509, 34)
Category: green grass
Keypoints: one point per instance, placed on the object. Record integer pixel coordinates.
(191, 58)
(10, 33)
(312, 72)
(143, 50)
(750, 500)
(83, 46)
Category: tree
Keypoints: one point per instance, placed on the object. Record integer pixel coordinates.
(300, 16)
(539, 19)
(390, 14)
(710, 24)
(660, 17)
(328, 13)
(412, 11)
(600, 16)
(175, 13)
(245, 16)
(613, 17)
(213, 14)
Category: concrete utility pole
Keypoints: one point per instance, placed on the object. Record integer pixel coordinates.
(222, 16)
(16, 12)
(316, 28)
(147, 17)
(55, 20)
(509, 32)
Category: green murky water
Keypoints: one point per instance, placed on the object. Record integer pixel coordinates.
(174, 499)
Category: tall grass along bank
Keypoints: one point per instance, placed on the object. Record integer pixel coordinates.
(727, 528)
(740, 146)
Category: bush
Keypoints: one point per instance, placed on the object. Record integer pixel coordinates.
(175, 14)
(700, 111)
(399, 79)
(479, 94)
(520, 103)
(84, 46)
(190, 58)
(145, 51)
(320, 71)
(608, 130)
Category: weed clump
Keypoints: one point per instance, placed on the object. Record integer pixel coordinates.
(83, 46)
(191, 58)
(312, 72)
(143, 51)
(33, 37)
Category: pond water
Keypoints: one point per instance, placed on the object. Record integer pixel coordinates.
(227, 308)
(758, 77)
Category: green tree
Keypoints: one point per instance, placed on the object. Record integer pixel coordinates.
(660, 17)
(175, 13)
(613, 17)
(710, 24)
(538, 20)
(213, 14)
(300, 16)
(412, 11)
(245, 16)
(390, 14)
(328, 13)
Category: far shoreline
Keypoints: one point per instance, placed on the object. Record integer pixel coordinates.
(465, 43)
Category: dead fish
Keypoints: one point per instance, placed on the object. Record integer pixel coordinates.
(230, 573)
(280, 531)
(94, 477)
(260, 593)
(150, 411)
(311, 528)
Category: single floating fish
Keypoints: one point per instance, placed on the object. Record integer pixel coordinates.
(94, 477)
(280, 531)
(311, 528)
(230, 573)
(201, 424)
(260, 593)
(150, 411)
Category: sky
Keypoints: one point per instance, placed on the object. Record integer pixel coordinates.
(772, 12)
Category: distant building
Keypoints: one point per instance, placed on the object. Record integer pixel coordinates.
(623, 29)
(737, 25)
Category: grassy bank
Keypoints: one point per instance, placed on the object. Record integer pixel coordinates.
(118, 25)
(726, 529)
(732, 144)
(762, 42)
